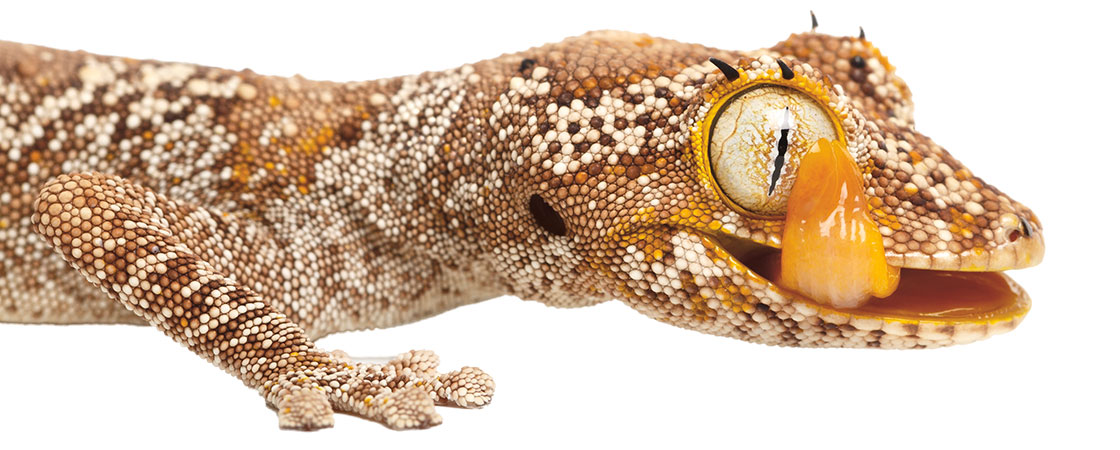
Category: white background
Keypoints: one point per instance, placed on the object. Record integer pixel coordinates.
(1024, 95)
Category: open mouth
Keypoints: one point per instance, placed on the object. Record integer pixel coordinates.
(833, 262)
(936, 296)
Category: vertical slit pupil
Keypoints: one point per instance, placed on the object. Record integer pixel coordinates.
(780, 160)
(547, 217)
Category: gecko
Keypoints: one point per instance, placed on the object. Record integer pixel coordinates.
(246, 216)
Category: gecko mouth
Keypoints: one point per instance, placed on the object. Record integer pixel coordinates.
(833, 260)
(922, 296)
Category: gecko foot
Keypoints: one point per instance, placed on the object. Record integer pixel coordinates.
(401, 394)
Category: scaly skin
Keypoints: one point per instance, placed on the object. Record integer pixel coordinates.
(246, 215)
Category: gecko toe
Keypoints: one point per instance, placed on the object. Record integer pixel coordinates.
(409, 408)
(401, 394)
(305, 409)
(468, 387)
(341, 356)
(420, 363)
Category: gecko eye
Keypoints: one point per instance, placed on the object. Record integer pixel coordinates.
(757, 140)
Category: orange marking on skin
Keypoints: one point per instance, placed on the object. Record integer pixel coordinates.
(915, 157)
(832, 251)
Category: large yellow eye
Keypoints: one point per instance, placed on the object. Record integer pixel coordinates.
(757, 140)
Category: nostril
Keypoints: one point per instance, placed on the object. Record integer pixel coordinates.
(1014, 226)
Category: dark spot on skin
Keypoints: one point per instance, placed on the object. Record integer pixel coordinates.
(573, 128)
(868, 89)
(348, 132)
(547, 217)
(858, 75)
(565, 99)
(172, 116)
(594, 169)
(858, 62)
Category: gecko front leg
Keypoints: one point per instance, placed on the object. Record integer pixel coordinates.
(134, 245)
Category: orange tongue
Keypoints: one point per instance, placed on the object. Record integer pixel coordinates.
(831, 250)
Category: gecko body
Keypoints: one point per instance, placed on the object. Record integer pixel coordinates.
(246, 216)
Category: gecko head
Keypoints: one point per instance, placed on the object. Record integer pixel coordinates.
(684, 211)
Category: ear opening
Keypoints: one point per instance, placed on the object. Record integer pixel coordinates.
(546, 216)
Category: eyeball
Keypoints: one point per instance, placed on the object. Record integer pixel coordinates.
(756, 142)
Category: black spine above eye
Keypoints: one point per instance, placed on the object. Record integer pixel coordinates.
(726, 68)
(787, 73)
(526, 64)
(547, 217)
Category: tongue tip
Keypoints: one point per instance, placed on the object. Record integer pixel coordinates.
(832, 250)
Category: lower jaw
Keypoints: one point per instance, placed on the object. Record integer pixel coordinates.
(943, 297)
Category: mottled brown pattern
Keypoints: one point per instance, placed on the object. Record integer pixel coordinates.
(246, 215)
